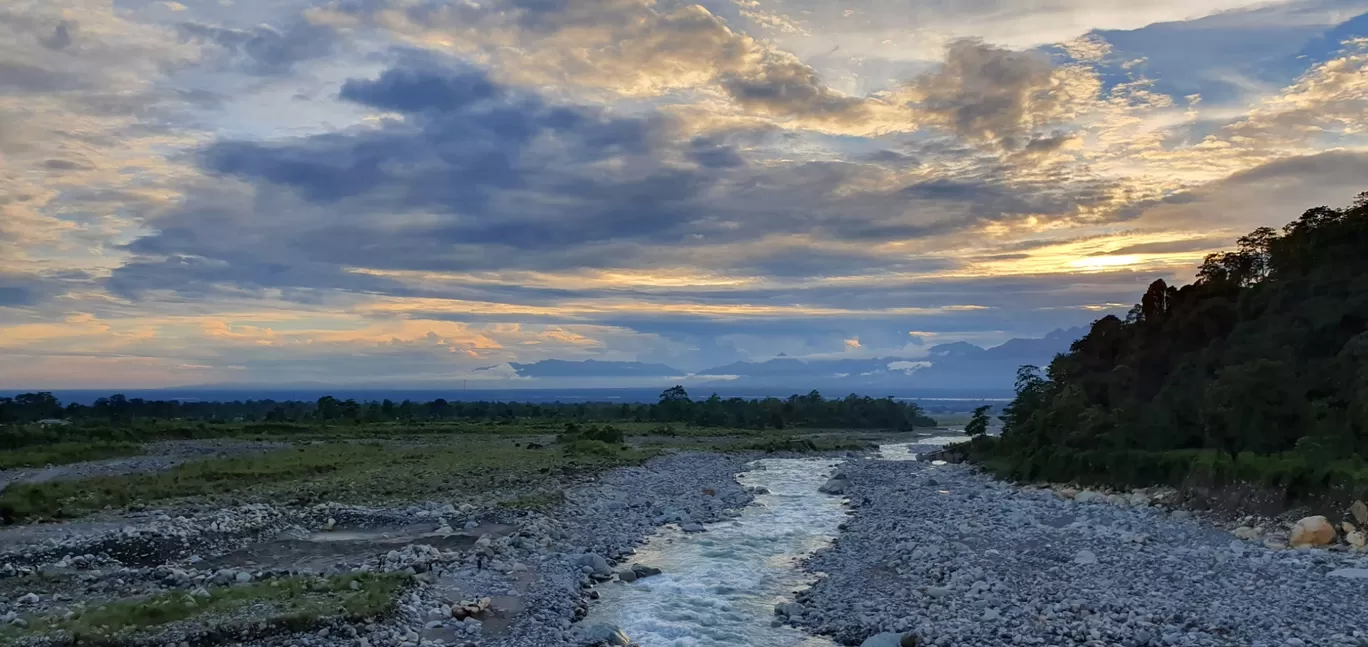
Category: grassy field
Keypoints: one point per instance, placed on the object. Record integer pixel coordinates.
(351, 472)
(65, 453)
(294, 603)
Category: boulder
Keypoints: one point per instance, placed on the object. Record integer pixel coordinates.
(890, 639)
(596, 563)
(644, 571)
(693, 527)
(1089, 496)
(1085, 558)
(1312, 531)
(834, 486)
(1139, 499)
(1360, 511)
(1246, 533)
(1347, 527)
(1357, 539)
(1066, 493)
(788, 609)
(627, 576)
(603, 635)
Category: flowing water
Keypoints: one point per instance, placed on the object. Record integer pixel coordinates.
(719, 587)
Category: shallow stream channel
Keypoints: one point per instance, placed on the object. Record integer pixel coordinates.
(720, 587)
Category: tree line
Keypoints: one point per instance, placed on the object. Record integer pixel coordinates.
(674, 406)
(1265, 353)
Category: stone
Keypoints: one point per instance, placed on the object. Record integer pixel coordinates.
(1351, 573)
(1180, 514)
(242, 577)
(1347, 527)
(1246, 533)
(788, 609)
(1089, 496)
(627, 576)
(1085, 558)
(30, 598)
(1118, 500)
(693, 527)
(332, 523)
(1066, 493)
(1139, 499)
(1358, 539)
(644, 571)
(1360, 511)
(596, 563)
(834, 486)
(888, 639)
(603, 635)
(1312, 531)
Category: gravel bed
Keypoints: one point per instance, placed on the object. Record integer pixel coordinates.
(960, 559)
(530, 574)
(156, 457)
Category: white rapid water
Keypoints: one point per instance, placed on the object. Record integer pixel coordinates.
(904, 451)
(719, 587)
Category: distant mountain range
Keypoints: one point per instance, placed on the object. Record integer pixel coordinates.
(593, 368)
(958, 365)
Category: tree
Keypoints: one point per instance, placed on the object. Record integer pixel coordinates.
(675, 393)
(978, 424)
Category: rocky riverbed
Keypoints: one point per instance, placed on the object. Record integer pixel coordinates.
(941, 553)
(956, 558)
(486, 575)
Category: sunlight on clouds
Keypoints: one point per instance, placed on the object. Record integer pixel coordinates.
(792, 204)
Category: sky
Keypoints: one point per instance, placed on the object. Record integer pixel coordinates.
(421, 191)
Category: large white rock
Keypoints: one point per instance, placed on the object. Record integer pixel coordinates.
(1089, 496)
(1246, 533)
(1312, 531)
(1357, 539)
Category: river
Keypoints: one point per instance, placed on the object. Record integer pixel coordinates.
(720, 587)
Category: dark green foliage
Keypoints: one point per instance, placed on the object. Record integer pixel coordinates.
(1259, 368)
(978, 425)
(119, 419)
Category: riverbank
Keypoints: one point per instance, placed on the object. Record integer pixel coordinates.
(961, 559)
(507, 567)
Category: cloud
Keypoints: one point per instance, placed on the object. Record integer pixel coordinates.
(264, 49)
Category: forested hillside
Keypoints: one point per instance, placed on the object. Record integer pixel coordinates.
(1264, 355)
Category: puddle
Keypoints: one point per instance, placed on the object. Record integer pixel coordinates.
(503, 609)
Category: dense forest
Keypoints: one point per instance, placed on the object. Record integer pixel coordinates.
(1264, 355)
(22, 416)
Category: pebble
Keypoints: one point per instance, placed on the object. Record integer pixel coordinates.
(979, 562)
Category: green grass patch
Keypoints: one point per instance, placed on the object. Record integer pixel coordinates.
(295, 603)
(66, 453)
(345, 472)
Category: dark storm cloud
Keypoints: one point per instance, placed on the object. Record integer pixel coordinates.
(482, 177)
